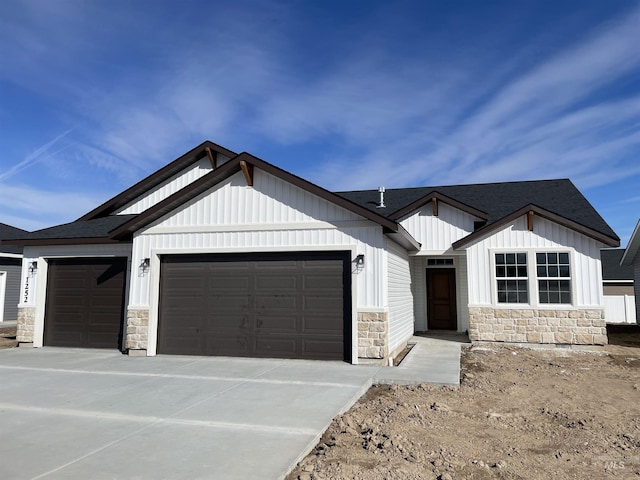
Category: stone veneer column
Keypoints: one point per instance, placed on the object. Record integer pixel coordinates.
(373, 335)
(137, 331)
(576, 327)
(26, 325)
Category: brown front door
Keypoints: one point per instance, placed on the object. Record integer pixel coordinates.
(441, 299)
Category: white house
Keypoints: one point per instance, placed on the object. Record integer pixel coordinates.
(221, 253)
(631, 257)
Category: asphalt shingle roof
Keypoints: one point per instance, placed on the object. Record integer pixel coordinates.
(96, 228)
(7, 232)
(497, 200)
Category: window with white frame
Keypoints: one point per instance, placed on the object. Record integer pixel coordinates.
(554, 277)
(549, 284)
(512, 278)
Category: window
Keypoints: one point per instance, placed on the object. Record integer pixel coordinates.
(439, 261)
(554, 277)
(512, 278)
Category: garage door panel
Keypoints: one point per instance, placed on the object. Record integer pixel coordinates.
(324, 303)
(275, 282)
(276, 302)
(277, 323)
(320, 324)
(322, 348)
(276, 346)
(85, 302)
(225, 321)
(228, 345)
(257, 304)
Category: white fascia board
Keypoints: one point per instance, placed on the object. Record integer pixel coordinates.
(632, 248)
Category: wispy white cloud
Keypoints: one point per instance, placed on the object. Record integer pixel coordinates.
(34, 157)
(33, 208)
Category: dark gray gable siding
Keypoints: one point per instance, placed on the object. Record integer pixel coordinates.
(611, 268)
(13, 268)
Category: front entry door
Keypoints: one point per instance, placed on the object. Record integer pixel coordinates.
(441, 299)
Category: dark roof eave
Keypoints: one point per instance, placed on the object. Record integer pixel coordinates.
(443, 198)
(155, 179)
(404, 238)
(69, 241)
(227, 170)
(178, 198)
(589, 232)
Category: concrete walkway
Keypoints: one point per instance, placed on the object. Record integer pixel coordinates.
(76, 414)
(434, 360)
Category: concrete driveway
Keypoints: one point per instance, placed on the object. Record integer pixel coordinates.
(78, 414)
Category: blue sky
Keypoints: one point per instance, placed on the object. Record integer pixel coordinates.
(95, 95)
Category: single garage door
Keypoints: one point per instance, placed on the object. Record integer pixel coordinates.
(289, 305)
(85, 302)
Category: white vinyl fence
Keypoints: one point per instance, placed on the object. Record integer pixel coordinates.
(620, 308)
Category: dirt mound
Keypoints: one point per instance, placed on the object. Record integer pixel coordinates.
(518, 414)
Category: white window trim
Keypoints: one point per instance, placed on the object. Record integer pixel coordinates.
(532, 278)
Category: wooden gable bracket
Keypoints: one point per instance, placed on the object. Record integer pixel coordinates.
(434, 202)
(530, 220)
(212, 158)
(247, 169)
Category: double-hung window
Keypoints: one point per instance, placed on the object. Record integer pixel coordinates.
(512, 278)
(554, 277)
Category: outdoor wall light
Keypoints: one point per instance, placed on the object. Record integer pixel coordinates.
(33, 268)
(144, 266)
(360, 260)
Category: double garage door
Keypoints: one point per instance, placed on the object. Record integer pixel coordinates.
(289, 305)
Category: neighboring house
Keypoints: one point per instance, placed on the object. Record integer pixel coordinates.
(10, 267)
(225, 254)
(631, 258)
(617, 283)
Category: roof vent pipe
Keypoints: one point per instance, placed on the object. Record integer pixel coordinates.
(381, 204)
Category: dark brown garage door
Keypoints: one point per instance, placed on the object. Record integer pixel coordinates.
(293, 305)
(85, 302)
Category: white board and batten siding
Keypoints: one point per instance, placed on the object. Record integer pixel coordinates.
(170, 186)
(400, 296)
(586, 272)
(273, 215)
(437, 233)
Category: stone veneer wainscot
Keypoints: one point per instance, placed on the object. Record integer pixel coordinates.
(577, 327)
(26, 324)
(373, 331)
(137, 329)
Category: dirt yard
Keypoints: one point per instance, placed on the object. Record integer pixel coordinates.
(518, 414)
(7, 337)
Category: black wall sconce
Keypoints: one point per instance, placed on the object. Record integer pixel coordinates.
(360, 261)
(33, 268)
(144, 266)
